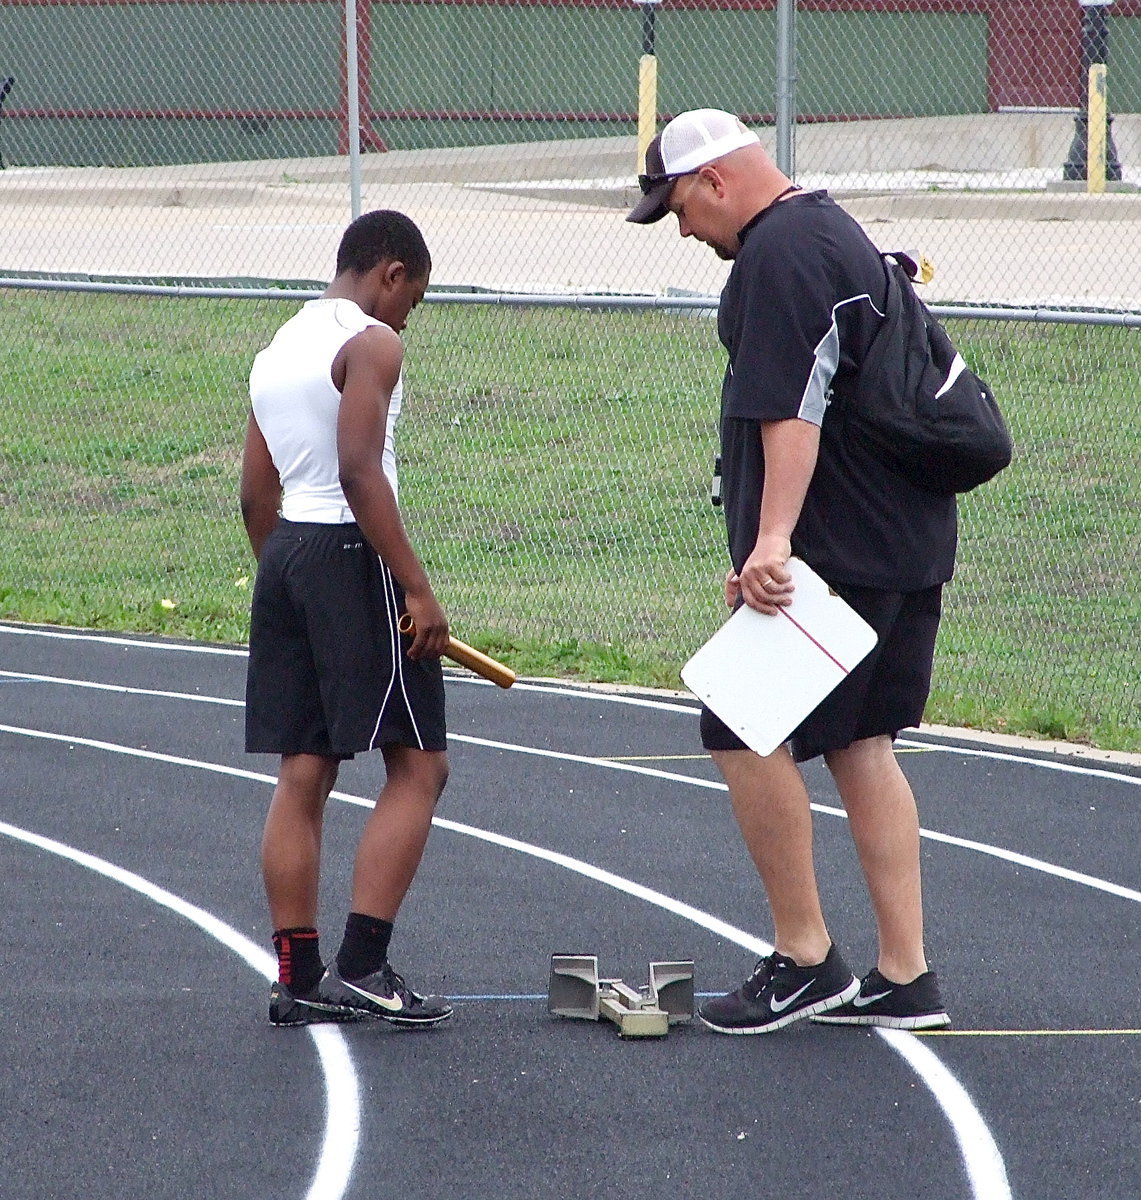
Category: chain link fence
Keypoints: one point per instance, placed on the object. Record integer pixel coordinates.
(562, 385)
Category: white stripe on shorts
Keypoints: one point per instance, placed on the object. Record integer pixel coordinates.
(397, 660)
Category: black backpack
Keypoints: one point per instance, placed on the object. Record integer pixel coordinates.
(916, 406)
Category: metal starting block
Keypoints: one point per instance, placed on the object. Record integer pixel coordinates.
(576, 991)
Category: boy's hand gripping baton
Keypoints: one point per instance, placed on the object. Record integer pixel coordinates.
(468, 656)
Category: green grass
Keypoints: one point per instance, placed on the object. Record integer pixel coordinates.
(555, 468)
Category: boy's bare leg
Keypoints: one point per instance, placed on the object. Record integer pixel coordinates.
(291, 840)
(396, 832)
(885, 827)
(771, 805)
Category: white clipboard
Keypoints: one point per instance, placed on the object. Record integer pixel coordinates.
(762, 675)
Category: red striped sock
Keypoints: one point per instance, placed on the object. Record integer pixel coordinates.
(299, 963)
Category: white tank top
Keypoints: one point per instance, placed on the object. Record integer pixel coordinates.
(295, 405)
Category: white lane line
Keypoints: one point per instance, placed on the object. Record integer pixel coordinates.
(79, 635)
(999, 852)
(687, 912)
(1045, 764)
(64, 635)
(979, 1153)
(1012, 856)
(984, 1163)
(1035, 864)
(342, 1094)
(138, 752)
(691, 709)
(604, 697)
(120, 689)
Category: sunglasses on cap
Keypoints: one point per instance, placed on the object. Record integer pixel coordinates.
(647, 183)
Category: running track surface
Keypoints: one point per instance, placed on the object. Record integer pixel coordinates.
(139, 1061)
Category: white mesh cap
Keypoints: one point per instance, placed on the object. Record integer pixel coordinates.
(687, 143)
(695, 138)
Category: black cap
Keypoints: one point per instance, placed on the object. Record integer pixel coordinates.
(656, 184)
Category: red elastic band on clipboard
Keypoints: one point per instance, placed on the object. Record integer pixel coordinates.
(823, 649)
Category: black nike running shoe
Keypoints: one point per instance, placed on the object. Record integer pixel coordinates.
(384, 994)
(305, 1008)
(915, 1005)
(779, 992)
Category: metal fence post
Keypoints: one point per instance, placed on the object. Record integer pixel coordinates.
(786, 86)
(352, 70)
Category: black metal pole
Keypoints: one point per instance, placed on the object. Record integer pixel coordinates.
(1095, 49)
(648, 11)
(5, 88)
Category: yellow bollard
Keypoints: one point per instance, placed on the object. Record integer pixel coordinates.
(1096, 130)
(647, 105)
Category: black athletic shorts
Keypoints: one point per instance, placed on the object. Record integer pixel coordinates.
(884, 693)
(328, 670)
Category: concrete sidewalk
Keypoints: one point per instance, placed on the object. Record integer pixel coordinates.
(547, 216)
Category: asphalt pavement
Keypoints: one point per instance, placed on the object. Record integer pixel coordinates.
(140, 1062)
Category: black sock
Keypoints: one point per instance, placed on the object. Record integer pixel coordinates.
(365, 946)
(299, 963)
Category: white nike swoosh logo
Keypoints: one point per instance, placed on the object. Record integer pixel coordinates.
(780, 1005)
(392, 1003)
(864, 1001)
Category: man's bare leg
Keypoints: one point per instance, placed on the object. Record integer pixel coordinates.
(771, 805)
(807, 975)
(885, 827)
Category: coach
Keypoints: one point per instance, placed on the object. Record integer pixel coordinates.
(803, 300)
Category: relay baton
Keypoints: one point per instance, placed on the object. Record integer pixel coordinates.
(467, 656)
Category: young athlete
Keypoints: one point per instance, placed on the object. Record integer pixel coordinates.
(329, 673)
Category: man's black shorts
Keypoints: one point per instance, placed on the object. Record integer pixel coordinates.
(328, 669)
(885, 693)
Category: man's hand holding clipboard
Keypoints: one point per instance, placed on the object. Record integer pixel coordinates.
(763, 673)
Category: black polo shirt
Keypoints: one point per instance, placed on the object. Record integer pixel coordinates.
(802, 303)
